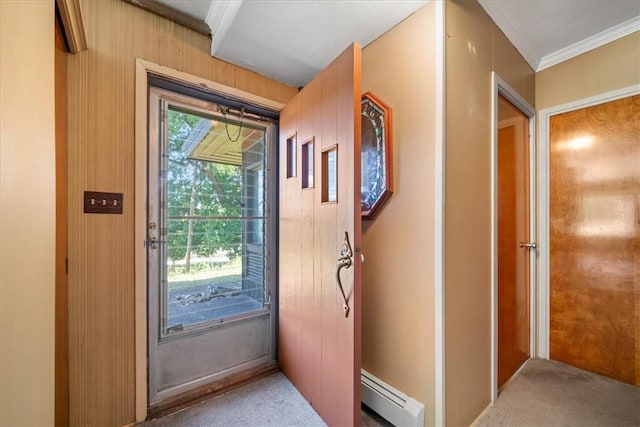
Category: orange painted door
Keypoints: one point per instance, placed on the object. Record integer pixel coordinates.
(595, 239)
(319, 340)
(513, 230)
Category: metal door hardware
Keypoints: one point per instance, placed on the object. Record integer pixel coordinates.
(344, 261)
(152, 243)
(528, 245)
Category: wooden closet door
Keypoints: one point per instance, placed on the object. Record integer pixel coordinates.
(595, 238)
(513, 230)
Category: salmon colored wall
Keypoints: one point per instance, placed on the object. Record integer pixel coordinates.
(27, 213)
(474, 48)
(101, 84)
(613, 66)
(397, 288)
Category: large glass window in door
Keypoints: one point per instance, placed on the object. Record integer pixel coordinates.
(214, 193)
(210, 276)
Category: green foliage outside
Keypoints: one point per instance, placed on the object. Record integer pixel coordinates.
(226, 274)
(218, 194)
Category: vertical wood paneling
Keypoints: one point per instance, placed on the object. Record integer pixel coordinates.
(328, 294)
(398, 273)
(475, 47)
(594, 238)
(101, 157)
(319, 346)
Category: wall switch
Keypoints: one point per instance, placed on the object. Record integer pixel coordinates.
(105, 203)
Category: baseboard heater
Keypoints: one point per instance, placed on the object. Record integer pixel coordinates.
(390, 403)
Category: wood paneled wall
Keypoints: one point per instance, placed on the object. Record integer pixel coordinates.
(475, 47)
(397, 276)
(101, 157)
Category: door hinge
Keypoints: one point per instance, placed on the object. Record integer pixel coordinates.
(66, 266)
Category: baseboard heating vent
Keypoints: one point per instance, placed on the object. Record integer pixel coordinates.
(390, 403)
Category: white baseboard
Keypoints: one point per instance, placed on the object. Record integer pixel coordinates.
(390, 403)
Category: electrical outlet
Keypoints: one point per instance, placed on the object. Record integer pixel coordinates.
(105, 203)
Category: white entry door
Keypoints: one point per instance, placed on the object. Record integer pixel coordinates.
(210, 209)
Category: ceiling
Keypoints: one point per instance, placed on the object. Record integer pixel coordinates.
(291, 40)
(547, 32)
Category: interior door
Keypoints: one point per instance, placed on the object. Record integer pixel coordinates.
(513, 240)
(319, 321)
(210, 224)
(594, 230)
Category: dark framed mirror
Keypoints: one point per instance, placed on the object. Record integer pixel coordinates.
(377, 160)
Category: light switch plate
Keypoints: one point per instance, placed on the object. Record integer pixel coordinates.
(104, 203)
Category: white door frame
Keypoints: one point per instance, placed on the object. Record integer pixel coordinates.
(543, 203)
(500, 87)
(143, 68)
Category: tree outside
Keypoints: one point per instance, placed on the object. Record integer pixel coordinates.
(199, 190)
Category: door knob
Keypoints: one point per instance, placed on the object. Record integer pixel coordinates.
(528, 245)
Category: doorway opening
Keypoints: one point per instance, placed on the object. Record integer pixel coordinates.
(210, 236)
(513, 236)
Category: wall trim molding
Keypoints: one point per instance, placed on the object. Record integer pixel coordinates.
(72, 24)
(389, 402)
(220, 16)
(510, 26)
(439, 219)
(174, 15)
(607, 36)
(543, 203)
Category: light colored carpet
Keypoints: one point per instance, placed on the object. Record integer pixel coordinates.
(270, 401)
(548, 393)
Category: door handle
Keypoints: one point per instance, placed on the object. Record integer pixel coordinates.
(528, 245)
(153, 242)
(345, 260)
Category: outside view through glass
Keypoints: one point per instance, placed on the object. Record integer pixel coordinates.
(214, 259)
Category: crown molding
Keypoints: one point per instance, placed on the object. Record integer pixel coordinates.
(220, 16)
(509, 25)
(590, 43)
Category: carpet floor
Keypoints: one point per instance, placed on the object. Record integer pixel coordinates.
(270, 401)
(548, 393)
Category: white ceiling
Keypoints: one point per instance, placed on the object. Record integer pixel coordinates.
(547, 32)
(291, 40)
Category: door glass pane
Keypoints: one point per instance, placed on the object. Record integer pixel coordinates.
(307, 164)
(214, 219)
(330, 175)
